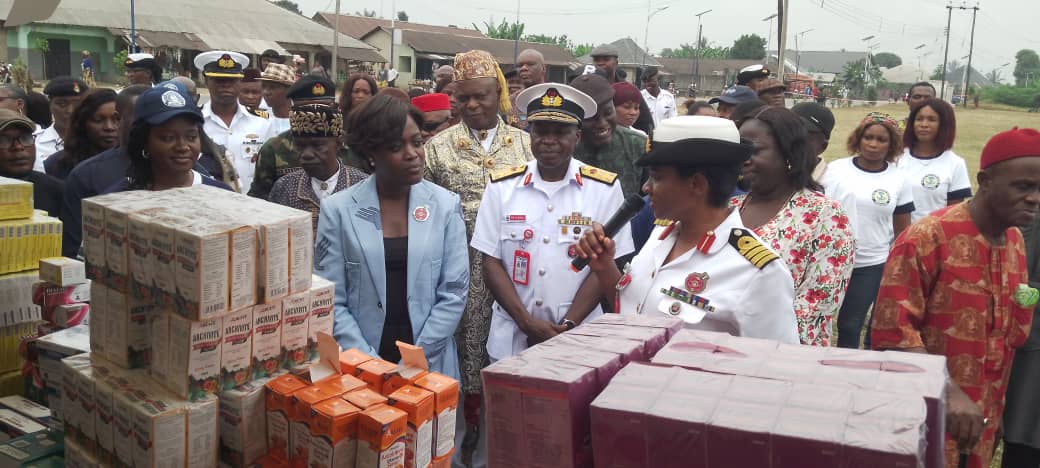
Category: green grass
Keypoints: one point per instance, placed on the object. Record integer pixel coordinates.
(974, 128)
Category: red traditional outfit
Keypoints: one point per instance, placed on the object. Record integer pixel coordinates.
(949, 290)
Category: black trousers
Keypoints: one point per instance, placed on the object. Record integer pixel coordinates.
(1020, 456)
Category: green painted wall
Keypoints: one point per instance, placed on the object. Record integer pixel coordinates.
(98, 41)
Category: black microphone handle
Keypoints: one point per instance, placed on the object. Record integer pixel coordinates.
(628, 210)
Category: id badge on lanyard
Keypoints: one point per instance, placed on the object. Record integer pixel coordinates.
(521, 267)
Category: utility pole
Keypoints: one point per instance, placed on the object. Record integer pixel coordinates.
(971, 49)
(946, 52)
(769, 37)
(516, 40)
(697, 57)
(335, 46)
(133, 29)
(798, 51)
(782, 5)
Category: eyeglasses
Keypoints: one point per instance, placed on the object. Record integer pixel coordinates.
(24, 140)
(432, 126)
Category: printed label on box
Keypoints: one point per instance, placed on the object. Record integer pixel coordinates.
(194, 370)
(295, 309)
(278, 440)
(325, 454)
(392, 457)
(321, 318)
(236, 349)
(267, 339)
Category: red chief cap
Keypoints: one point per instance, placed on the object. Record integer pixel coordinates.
(1014, 143)
(432, 102)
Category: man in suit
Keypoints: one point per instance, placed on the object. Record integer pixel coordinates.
(17, 155)
(316, 132)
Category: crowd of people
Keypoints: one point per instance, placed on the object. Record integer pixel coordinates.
(450, 220)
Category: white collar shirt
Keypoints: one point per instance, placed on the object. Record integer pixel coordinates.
(661, 107)
(38, 164)
(330, 186)
(727, 292)
(48, 142)
(530, 225)
(488, 139)
(242, 139)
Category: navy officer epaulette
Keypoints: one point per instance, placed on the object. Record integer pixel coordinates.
(508, 173)
(259, 113)
(751, 248)
(597, 174)
(662, 222)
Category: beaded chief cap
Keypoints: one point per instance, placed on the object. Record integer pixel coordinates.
(316, 120)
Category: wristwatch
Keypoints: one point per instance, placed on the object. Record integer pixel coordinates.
(568, 323)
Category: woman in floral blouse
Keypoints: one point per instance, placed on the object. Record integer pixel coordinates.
(786, 208)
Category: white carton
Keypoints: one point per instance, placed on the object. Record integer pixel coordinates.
(194, 366)
(117, 238)
(171, 432)
(128, 335)
(301, 247)
(321, 318)
(236, 349)
(104, 419)
(62, 271)
(123, 427)
(267, 339)
(202, 270)
(244, 248)
(159, 329)
(273, 261)
(94, 240)
(75, 417)
(99, 318)
(295, 309)
(243, 424)
(162, 239)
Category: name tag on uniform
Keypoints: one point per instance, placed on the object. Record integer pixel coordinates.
(521, 267)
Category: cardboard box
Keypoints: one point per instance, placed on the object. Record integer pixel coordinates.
(243, 424)
(162, 258)
(26, 407)
(446, 402)
(300, 432)
(78, 457)
(419, 404)
(78, 400)
(350, 359)
(365, 398)
(23, 242)
(375, 373)
(16, 298)
(670, 324)
(295, 312)
(653, 339)
(194, 366)
(278, 404)
(128, 340)
(66, 315)
(117, 237)
(321, 317)
(382, 431)
(333, 434)
(49, 295)
(301, 251)
(32, 450)
(341, 384)
(104, 420)
(274, 261)
(15, 424)
(243, 280)
(236, 349)
(205, 258)
(159, 329)
(267, 339)
(168, 431)
(62, 271)
(16, 198)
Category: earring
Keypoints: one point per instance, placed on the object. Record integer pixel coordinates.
(788, 167)
(144, 154)
(372, 162)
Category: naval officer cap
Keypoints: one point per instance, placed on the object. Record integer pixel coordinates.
(751, 72)
(696, 141)
(312, 87)
(221, 64)
(555, 102)
(65, 86)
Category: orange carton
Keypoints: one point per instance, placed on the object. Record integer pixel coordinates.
(341, 383)
(350, 359)
(299, 426)
(446, 402)
(413, 366)
(443, 461)
(333, 434)
(382, 431)
(278, 402)
(375, 373)
(418, 403)
(365, 398)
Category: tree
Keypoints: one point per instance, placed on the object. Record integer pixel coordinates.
(887, 60)
(504, 30)
(402, 16)
(561, 41)
(289, 5)
(581, 50)
(366, 13)
(689, 51)
(1027, 67)
(854, 78)
(950, 67)
(748, 47)
(995, 76)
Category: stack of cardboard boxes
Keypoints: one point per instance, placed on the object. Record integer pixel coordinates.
(189, 314)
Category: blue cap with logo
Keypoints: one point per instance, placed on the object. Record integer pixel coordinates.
(164, 102)
(734, 95)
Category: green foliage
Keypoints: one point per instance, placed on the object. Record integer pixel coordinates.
(871, 94)
(504, 30)
(686, 50)
(561, 41)
(289, 5)
(582, 49)
(1020, 96)
(366, 13)
(748, 47)
(119, 62)
(42, 45)
(995, 76)
(402, 16)
(1027, 67)
(887, 60)
(950, 67)
(856, 80)
(20, 74)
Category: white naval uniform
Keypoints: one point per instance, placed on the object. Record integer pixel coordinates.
(48, 142)
(525, 206)
(743, 299)
(242, 139)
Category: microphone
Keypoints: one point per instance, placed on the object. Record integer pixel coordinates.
(621, 217)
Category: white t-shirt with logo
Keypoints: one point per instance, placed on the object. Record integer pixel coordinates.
(935, 180)
(870, 199)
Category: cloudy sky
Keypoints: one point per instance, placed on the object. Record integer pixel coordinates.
(1003, 26)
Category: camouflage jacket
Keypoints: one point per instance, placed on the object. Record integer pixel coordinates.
(619, 157)
(277, 158)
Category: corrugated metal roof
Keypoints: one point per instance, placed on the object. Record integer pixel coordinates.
(249, 20)
(629, 54)
(502, 49)
(363, 55)
(360, 26)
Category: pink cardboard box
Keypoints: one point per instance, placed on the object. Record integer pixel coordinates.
(629, 350)
(670, 324)
(607, 364)
(805, 438)
(620, 422)
(739, 434)
(886, 430)
(653, 339)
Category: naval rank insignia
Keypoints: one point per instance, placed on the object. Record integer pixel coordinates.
(751, 248)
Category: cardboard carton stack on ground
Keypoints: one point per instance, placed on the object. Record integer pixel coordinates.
(347, 412)
(198, 307)
(537, 403)
(828, 382)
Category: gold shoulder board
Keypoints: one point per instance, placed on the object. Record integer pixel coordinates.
(662, 222)
(508, 173)
(751, 248)
(597, 174)
(261, 113)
